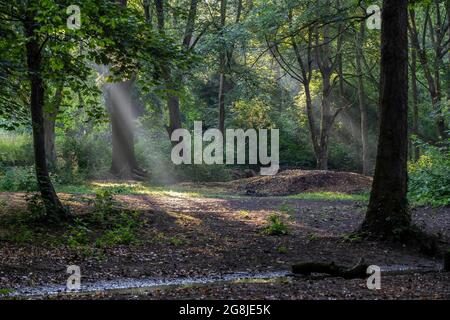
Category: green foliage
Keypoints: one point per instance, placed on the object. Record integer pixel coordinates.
(18, 179)
(78, 235)
(83, 158)
(5, 291)
(429, 178)
(276, 226)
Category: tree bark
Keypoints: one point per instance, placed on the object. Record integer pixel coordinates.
(388, 214)
(53, 207)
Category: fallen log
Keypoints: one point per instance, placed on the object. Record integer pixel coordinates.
(307, 268)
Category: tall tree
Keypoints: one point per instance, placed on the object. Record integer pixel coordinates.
(53, 206)
(123, 109)
(388, 213)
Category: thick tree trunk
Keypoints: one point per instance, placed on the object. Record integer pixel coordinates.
(53, 207)
(122, 109)
(361, 100)
(388, 214)
(123, 113)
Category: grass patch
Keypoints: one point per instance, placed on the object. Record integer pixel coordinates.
(329, 196)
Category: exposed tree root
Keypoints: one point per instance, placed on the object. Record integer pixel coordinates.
(357, 271)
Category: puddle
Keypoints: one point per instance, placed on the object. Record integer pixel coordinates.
(128, 284)
(124, 285)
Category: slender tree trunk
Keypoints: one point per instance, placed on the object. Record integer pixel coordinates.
(433, 82)
(53, 207)
(388, 214)
(49, 127)
(173, 82)
(222, 66)
(361, 100)
(147, 11)
(326, 67)
(325, 121)
(415, 98)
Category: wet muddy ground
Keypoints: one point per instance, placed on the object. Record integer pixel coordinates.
(217, 236)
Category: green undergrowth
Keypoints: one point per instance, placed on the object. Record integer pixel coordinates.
(106, 224)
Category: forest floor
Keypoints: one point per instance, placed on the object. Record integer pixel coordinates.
(192, 231)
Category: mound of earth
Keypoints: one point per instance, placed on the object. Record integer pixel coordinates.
(291, 182)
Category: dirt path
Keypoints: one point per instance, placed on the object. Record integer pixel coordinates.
(192, 236)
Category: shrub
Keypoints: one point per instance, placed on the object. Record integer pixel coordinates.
(429, 178)
(276, 226)
(15, 179)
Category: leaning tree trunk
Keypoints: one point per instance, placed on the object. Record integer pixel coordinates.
(53, 207)
(388, 214)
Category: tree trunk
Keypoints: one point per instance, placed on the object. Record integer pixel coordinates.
(222, 102)
(53, 207)
(123, 112)
(388, 214)
(361, 100)
(432, 82)
(49, 127)
(122, 109)
(325, 121)
(415, 97)
(173, 101)
(222, 65)
(173, 104)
